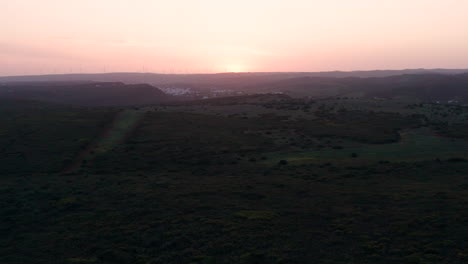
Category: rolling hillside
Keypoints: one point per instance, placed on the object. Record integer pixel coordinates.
(85, 93)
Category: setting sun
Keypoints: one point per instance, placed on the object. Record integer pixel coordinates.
(236, 68)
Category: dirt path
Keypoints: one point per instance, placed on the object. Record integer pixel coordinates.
(124, 122)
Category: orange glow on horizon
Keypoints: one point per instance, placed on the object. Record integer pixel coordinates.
(236, 68)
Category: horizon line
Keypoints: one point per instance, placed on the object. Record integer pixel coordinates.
(227, 72)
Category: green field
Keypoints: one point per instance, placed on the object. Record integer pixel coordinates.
(415, 145)
(202, 183)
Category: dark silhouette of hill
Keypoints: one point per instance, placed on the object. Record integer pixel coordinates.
(157, 79)
(427, 87)
(85, 93)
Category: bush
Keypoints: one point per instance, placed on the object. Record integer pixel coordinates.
(457, 160)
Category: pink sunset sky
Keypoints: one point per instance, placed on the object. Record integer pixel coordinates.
(193, 36)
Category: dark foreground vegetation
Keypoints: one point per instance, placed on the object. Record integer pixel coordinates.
(248, 179)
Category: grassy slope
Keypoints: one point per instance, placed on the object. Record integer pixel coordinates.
(122, 125)
(37, 137)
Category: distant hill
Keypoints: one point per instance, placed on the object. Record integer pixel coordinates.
(427, 87)
(85, 93)
(248, 77)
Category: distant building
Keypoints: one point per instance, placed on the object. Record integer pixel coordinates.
(176, 91)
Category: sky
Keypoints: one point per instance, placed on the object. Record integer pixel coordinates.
(196, 36)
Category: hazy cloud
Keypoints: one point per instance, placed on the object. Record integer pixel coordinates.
(23, 50)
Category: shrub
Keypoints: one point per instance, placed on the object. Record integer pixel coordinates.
(457, 160)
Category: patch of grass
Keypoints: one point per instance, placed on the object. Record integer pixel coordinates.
(256, 215)
(123, 124)
(420, 144)
(82, 260)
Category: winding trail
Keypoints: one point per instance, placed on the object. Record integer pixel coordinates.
(123, 124)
